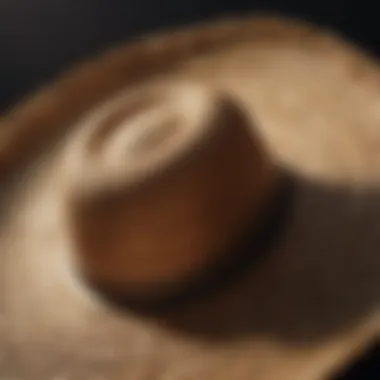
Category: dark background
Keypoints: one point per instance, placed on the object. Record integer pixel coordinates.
(39, 38)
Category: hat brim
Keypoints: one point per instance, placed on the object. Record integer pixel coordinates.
(311, 305)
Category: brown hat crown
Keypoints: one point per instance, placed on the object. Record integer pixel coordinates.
(159, 182)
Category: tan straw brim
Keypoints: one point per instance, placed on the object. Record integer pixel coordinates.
(313, 104)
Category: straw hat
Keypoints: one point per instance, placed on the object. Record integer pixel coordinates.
(201, 204)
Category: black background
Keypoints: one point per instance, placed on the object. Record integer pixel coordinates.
(39, 38)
